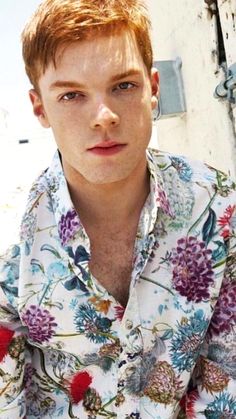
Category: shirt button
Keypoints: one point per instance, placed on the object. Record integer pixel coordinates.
(128, 324)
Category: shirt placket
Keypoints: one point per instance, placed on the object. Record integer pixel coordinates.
(130, 360)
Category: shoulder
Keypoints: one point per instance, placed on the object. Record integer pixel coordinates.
(191, 171)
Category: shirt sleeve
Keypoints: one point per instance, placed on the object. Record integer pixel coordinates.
(12, 340)
(212, 392)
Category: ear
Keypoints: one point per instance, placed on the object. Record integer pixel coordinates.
(38, 108)
(155, 87)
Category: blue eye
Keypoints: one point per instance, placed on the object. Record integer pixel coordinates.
(71, 96)
(125, 85)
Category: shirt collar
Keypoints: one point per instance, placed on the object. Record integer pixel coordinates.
(66, 217)
(158, 194)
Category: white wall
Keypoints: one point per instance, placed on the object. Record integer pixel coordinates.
(187, 29)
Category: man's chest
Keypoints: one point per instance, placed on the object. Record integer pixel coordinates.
(111, 264)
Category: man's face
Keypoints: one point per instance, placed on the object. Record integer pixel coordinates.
(98, 102)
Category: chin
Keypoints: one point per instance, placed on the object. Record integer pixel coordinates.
(105, 179)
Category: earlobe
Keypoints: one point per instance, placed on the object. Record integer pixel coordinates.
(38, 108)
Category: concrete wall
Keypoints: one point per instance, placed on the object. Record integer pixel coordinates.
(187, 29)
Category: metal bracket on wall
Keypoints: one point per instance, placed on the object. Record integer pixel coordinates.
(226, 90)
(171, 99)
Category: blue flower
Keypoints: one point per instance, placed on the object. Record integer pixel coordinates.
(183, 168)
(186, 342)
(57, 270)
(93, 325)
(223, 405)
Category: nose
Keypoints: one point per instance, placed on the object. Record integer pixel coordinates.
(104, 117)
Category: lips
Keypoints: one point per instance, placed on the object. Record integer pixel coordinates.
(107, 148)
(105, 144)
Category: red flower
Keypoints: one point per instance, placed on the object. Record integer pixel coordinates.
(190, 401)
(79, 385)
(6, 336)
(119, 312)
(227, 220)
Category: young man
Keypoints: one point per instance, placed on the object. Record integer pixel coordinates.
(120, 299)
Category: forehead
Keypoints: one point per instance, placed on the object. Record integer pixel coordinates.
(101, 56)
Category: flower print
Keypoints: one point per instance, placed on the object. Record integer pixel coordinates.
(40, 323)
(224, 317)
(213, 378)
(38, 187)
(100, 304)
(119, 312)
(68, 225)
(223, 406)
(6, 336)
(192, 269)
(111, 350)
(188, 404)
(163, 385)
(79, 384)
(228, 221)
(16, 346)
(92, 402)
(28, 227)
(57, 270)
(28, 375)
(120, 399)
(224, 357)
(93, 325)
(162, 201)
(183, 169)
(187, 340)
(61, 361)
(181, 199)
(223, 187)
(37, 405)
(53, 182)
(79, 256)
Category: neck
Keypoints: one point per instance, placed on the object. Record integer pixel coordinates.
(117, 203)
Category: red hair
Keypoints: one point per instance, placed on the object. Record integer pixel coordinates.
(59, 23)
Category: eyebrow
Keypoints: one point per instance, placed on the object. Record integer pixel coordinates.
(66, 83)
(74, 84)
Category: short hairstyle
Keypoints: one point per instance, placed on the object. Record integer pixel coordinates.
(58, 23)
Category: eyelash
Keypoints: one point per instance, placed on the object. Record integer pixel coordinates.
(133, 85)
(78, 95)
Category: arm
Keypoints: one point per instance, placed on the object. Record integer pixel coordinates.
(213, 392)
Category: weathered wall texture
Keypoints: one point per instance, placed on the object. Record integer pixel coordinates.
(187, 29)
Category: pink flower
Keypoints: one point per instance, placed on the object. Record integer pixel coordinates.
(79, 385)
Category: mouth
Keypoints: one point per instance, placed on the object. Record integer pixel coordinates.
(107, 148)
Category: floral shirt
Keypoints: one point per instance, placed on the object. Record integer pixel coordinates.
(69, 349)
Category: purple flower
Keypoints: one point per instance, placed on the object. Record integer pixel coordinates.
(68, 225)
(40, 324)
(192, 269)
(28, 375)
(224, 317)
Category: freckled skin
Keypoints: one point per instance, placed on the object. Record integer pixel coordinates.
(99, 110)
